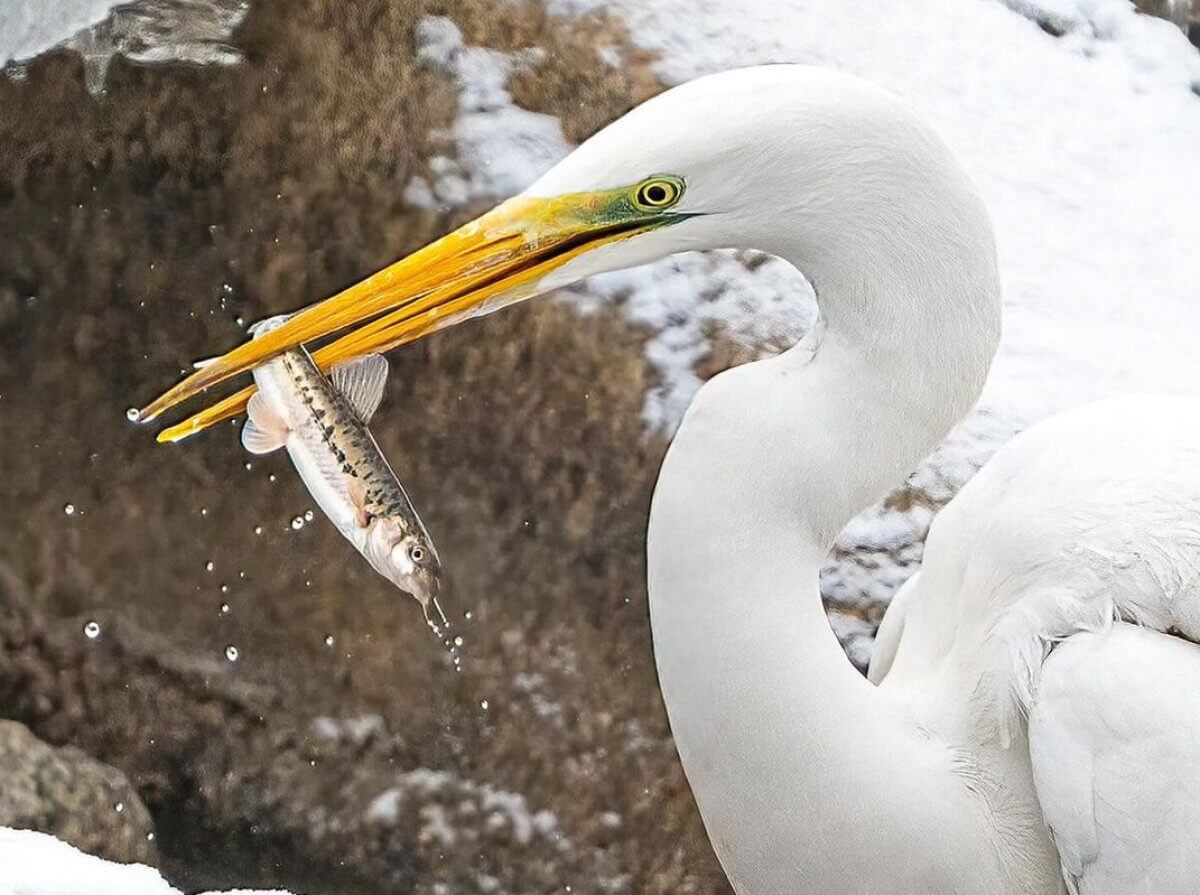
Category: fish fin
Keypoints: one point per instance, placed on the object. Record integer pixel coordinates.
(264, 431)
(357, 493)
(361, 381)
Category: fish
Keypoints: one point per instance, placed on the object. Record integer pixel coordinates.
(322, 422)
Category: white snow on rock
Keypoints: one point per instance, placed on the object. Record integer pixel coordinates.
(27, 27)
(500, 148)
(449, 809)
(147, 31)
(36, 864)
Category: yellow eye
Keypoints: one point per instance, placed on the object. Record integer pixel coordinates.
(658, 193)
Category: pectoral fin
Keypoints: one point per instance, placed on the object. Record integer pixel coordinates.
(361, 381)
(264, 431)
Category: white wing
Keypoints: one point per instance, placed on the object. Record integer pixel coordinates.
(1114, 737)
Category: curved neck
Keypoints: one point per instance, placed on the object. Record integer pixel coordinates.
(784, 743)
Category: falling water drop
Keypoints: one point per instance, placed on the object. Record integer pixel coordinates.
(209, 566)
(132, 415)
(458, 641)
(468, 615)
(329, 640)
(224, 588)
(308, 516)
(224, 609)
(231, 653)
(297, 523)
(258, 529)
(91, 630)
(69, 509)
(483, 704)
(119, 807)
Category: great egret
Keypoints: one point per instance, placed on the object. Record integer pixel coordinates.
(809, 777)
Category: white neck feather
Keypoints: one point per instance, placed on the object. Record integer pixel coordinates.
(784, 743)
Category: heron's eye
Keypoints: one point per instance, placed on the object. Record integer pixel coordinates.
(416, 553)
(658, 193)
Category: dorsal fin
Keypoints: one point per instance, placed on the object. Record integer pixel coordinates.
(361, 381)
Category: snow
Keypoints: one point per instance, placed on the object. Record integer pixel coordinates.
(37, 864)
(146, 31)
(500, 147)
(27, 27)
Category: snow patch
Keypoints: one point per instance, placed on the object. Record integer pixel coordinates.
(500, 147)
(449, 809)
(36, 864)
(145, 31)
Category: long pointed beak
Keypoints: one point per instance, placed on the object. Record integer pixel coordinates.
(496, 260)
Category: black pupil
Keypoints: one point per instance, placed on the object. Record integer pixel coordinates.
(417, 553)
(656, 194)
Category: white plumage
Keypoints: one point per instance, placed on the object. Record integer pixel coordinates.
(809, 778)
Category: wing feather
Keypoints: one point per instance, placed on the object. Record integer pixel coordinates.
(1114, 738)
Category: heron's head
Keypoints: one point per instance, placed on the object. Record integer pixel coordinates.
(733, 159)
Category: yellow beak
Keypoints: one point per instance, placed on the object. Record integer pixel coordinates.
(496, 260)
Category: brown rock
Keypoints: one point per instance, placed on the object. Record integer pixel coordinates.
(63, 792)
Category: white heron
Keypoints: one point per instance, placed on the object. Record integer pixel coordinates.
(1032, 719)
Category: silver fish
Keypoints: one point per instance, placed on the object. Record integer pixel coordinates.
(323, 424)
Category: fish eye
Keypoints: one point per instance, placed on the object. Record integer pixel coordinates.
(657, 193)
(416, 553)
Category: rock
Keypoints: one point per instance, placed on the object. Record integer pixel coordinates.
(63, 792)
(1179, 12)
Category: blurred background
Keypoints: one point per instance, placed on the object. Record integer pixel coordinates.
(198, 672)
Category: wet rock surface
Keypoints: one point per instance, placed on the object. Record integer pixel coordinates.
(62, 791)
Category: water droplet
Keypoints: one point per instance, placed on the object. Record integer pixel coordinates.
(458, 641)
(258, 529)
(69, 509)
(149, 837)
(209, 566)
(224, 609)
(227, 288)
(231, 653)
(249, 467)
(203, 511)
(119, 807)
(308, 515)
(483, 704)
(271, 477)
(91, 630)
(132, 415)
(468, 615)
(224, 588)
(297, 523)
(240, 321)
(329, 640)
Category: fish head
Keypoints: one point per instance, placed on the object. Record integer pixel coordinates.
(405, 556)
